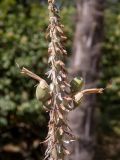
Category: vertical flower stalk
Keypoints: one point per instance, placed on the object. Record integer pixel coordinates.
(60, 87)
(60, 96)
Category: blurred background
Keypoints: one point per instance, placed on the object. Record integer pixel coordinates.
(92, 27)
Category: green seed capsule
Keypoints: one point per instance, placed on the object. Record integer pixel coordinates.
(76, 84)
(43, 91)
(78, 98)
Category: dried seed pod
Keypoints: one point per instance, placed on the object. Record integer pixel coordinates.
(66, 151)
(63, 38)
(60, 114)
(63, 108)
(76, 84)
(59, 29)
(43, 91)
(47, 35)
(60, 63)
(50, 1)
(59, 50)
(64, 51)
(47, 104)
(67, 101)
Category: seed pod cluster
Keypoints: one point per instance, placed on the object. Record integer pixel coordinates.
(60, 97)
(61, 101)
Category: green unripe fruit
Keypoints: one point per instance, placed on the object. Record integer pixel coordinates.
(76, 84)
(43, 91)
(78, 98)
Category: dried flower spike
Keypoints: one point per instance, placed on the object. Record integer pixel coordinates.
(60, 97)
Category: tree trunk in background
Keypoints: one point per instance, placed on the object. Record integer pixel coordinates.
(85, 62)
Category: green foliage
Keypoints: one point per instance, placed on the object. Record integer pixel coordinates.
(22, 32)
(22, 41)
(111, 69)
(109, 135)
